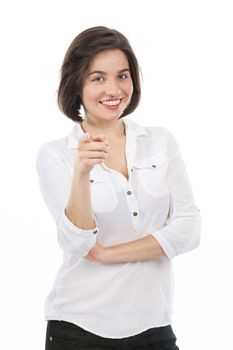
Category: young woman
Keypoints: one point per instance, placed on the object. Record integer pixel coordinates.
(122, 202)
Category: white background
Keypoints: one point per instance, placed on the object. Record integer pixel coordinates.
(185, 52)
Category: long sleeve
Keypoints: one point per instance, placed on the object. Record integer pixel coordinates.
(156, 198)
(181, 232)
(55, 183)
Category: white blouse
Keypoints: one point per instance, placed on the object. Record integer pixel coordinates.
(117, 300)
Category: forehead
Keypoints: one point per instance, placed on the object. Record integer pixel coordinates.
(109, 60)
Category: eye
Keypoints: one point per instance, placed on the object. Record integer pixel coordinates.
(98, 78)
(123, 76)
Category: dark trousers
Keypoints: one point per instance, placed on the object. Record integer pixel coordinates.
(63, 335)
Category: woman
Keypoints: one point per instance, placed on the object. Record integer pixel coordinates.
(123, 206)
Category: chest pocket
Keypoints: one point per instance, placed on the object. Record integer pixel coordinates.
(151, 173)
(103, 194)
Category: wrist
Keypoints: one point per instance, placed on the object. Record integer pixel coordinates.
(79, 172)
(107, 256)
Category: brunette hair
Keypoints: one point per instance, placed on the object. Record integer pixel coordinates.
(77, 60)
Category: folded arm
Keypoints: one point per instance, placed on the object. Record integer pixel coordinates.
(146, 248)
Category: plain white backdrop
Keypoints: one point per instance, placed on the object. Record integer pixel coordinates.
(185, 52)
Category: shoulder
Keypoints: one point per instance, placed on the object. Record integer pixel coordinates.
(54, 147)
(153, 132)
(60, 150)
(158, 131)
(52, 157)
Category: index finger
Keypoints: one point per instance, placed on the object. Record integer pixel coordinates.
(99, 138)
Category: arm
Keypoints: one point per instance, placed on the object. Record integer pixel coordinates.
(78, 208)
(91, 151)
(181, 231)
(55, 186)
(70, 202)
(146, 248)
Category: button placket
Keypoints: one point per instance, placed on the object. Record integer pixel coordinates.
(131, 199)
(135, 218)
(133, 206)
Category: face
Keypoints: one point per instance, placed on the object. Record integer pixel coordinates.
(108, 86)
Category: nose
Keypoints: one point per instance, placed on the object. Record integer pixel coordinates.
(113, 89)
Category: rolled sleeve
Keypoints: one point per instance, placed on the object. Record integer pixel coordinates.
(73, 238)
(55, 183)
(181, 232)
(180, 236)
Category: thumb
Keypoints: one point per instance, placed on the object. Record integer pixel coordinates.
(87, 137)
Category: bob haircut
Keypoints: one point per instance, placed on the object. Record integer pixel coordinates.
(77, 59)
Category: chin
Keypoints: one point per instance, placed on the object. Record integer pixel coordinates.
(111, 116)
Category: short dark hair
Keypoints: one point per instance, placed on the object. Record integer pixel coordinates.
(77, 60)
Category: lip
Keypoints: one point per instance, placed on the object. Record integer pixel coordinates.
(113, 108)
(112, 99)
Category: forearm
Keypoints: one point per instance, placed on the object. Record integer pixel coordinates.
(78, 209)
(146, 248)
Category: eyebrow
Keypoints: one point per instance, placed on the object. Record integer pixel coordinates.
(104, 73)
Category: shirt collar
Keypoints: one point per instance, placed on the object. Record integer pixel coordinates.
(131, 128)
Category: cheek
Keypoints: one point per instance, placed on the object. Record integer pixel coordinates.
(89, 95)
(129, 89)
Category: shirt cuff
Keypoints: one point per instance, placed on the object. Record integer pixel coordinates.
(164, 244)
(78, 231)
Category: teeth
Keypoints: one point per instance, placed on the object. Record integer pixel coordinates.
(111, 103)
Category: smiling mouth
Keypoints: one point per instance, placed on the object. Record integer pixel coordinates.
(110, 103)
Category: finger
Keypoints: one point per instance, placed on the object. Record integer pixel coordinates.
(91, 162)
(97, 146)
(86, 137)
(88, 257)
(93, 145)
(100, 138)
(93, 154)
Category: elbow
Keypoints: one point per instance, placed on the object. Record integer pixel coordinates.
(196, 234)
(180, 236)
(188, 235)
(74, 240)
(192, 236)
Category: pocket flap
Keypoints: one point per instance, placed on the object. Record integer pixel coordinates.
(98, 176)
(151, 162)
